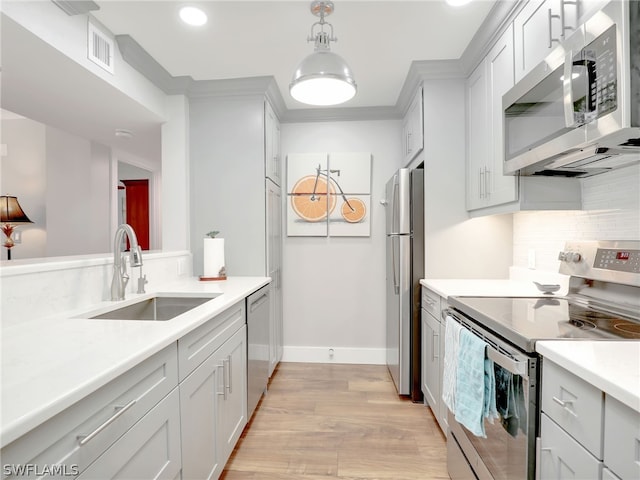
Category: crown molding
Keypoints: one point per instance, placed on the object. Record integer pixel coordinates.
(498, 19)
(139, 59)
(340, 114)
(422, 70)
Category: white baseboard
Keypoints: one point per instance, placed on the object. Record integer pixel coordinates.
(369, 356)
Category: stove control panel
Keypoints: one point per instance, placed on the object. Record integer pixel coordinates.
(620, 260)
(605, 260)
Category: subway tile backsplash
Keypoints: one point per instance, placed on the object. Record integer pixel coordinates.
(611, 211)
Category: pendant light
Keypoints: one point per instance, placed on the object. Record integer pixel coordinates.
(322, 78)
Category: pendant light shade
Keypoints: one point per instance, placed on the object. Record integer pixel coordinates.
(322, 78)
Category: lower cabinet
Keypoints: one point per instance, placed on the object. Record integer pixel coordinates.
(150, 449)
(433, 354)
(213, 409)
(585, 433)
(562, 457)
(176, 415)
(431, 361)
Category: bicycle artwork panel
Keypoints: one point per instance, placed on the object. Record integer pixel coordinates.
(328, 194)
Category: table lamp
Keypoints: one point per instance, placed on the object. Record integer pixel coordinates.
(11, 215)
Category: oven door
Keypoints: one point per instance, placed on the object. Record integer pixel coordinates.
(508, 451)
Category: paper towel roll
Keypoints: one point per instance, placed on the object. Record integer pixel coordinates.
(214, 258)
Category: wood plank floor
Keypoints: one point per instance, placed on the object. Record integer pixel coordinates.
(323, 421)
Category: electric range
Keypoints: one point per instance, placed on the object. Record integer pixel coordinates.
(603, 302)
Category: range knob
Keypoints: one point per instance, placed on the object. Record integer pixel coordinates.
(572, 257)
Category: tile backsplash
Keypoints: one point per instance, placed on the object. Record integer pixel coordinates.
(611, 211)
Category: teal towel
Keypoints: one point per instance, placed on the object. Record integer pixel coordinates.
(470, 383)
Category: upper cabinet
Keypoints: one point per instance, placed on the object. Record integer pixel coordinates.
(539, 27)
(488, 190)
(273, 167)
(486, 185)
(412, 129)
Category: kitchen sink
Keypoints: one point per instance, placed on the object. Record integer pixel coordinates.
(158, 308)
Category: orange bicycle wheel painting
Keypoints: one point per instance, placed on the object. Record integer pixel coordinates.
(354, 210)
(309, 198)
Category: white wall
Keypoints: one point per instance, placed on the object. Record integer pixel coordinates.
(78, 196)
(335, 287)
(611, 211)
(455, 245)
(22, 174)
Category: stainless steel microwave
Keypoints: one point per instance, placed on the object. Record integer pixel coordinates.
(578, 112)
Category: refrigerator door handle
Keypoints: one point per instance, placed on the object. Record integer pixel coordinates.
(394, 263)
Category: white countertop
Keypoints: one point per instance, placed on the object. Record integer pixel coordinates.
(49, 364)
(487, 288)
(611, 366)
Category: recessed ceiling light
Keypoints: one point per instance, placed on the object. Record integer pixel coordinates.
(458, 3)
(193, 16)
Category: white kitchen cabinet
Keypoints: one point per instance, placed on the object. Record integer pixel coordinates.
(585, 433)
(151, 449)
(621, 439)
(488, 190)
(499, 64)
(432, 354)
(477, 137)
(486, 185)
(213, 409)
(82, 433)
(412, 129)
(235, 169)
(539, 27)
(274, 270)
(431, 361)
(272, 155)
(575, 405)
(562, 457)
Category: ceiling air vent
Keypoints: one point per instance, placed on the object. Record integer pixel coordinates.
(100, 48)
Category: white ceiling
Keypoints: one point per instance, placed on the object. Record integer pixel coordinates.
(378, 39)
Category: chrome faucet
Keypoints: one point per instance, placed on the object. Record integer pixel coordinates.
(120, 276)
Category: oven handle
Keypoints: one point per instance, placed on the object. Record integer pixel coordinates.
(512, 365)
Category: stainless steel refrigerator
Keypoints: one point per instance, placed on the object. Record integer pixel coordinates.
(404, 202)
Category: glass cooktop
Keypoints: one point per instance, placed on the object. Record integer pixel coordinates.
(522, 321)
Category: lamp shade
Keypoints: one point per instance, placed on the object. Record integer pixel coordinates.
(322, 78)
(11, 212)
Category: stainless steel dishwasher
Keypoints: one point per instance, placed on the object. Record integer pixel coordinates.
(258, 308)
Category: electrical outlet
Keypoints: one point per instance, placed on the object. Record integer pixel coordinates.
(531, 259)
(182, 267)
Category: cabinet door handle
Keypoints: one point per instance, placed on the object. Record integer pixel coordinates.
(120, 410)
(481, 180)
(487, 181)
(436, 346)
(259, 301)
(565, 404)
(551, 17)
(224, 379)
(230, 374)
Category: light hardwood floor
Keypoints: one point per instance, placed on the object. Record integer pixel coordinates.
(323, 421)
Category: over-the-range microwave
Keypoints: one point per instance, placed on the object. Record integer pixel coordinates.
(578, 113)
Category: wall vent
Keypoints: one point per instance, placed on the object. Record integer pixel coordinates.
(100, 48)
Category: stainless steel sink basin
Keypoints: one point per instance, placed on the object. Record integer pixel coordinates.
(158, 308)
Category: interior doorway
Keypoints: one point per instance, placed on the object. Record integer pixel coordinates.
(137, 209)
